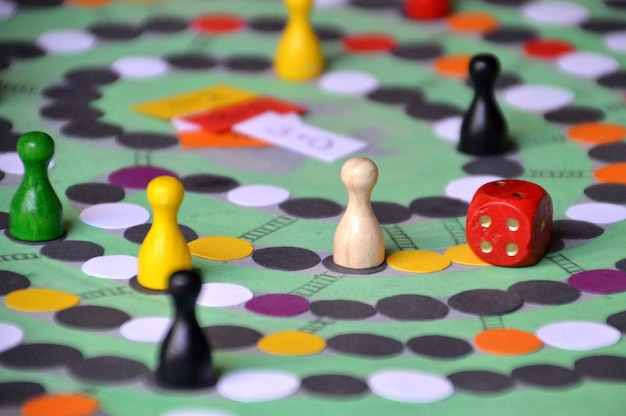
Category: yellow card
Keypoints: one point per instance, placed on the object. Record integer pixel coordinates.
(194, 101)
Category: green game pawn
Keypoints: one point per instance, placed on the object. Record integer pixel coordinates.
(36, 212)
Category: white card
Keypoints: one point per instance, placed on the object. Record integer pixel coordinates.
(289, 132)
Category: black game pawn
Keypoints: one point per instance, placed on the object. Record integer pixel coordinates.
(484, 130)
(185, 359)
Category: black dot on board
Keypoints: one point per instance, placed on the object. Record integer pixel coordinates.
(110, 31)
(328, 33)
(440, 346)
(545, 292)
(225, 337)
(165, 24)
(621, 265)
(575, 230)
(546, 375)
(613, 152)
(311, 208)
(366, 345)
(481, 381)
(39, 3)
(439, 207)
(497, 166)
(12, 281)
(146, 140)
(208, 184)
(396, 95)
(134, 285)
(432, 111)
(191, 61)
(91, 317)
(374, 4)
(4, 218)
(607, 192)
(20, 50)
(286, 258)
(8, 141)
(329, 263)
(91, 130)
(339, 385)
(137, 233)
(615, 79)
(485, 302)
(14, 393)
(247, 63)
(92, 76)
(574, 115)
(71, 92)
(267, 24)
(418, 51)
(412, 308)
(5, 125)
(95, 193)
(511, 35)
(603, 26)
(602, 367)
(72, 250)
(342, 309)
(39, 356)
(618, 4)
(107, 369)
(390, 212)
(70, 111)
(618, 321)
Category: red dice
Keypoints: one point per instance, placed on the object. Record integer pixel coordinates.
(509, 223)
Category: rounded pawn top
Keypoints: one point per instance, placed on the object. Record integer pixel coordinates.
(165, 192)
(359, 174)
(484, 69)
(35, 147)
(185, 284)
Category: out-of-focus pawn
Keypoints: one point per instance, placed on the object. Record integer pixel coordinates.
(164, 250)
(509, 223)
(359, 242)
(36, 213)
(426, 9)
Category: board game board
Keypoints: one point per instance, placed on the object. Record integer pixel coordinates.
(292, 333)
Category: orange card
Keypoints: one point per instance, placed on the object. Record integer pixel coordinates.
(207, 139)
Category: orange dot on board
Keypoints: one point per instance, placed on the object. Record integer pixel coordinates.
(453, 65)
(614, 173)
(217, 23)
(507, 342)
(472, 22)
(60, 405)
(597, 133)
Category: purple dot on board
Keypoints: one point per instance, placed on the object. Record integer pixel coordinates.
(137, 177)
(281, 305)
(600, 281)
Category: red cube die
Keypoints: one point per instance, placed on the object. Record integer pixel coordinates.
(509, 223)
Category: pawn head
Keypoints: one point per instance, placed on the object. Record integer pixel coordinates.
(484, 69)
(360, 174)
(35, 147)
(185, 284)
(165, 192)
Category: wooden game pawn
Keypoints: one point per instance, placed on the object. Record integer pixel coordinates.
(359, 242)
(164, 250)
(36, 212)
(299, 55)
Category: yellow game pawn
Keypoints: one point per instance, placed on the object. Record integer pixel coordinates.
(359, 241)
(299, 55)
(164, 250)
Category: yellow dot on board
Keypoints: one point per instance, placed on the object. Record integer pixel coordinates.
(418, 261)
(463, 254)
(291, 343)
(220, 248)
(40, 300)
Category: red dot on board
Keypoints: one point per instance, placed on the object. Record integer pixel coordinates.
(548, 48)
(426, 9)
(369, 43)
(217, 23)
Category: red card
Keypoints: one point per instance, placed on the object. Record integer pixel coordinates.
(222, 119)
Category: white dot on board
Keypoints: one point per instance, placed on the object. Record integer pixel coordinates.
(449, 129)
(579, 335)
(66, 41)
(151, 329)
(587, 64)
(258, 195)
(140, 67)
(597, 212)
(10, 336)
(410, 386)
(330, 3)
(252, 386)
(7, 9)
(118, 266)
(465, 188)
(348, 82)
(114, 215)
(556, 13)
(541, 98)
(216, 294)
(616, 41)
(11, 163)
